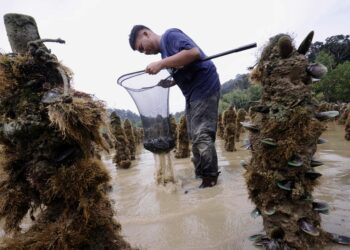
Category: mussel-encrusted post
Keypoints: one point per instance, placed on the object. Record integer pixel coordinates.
(183, 142)
(50, 169)
(281, 176)
(344, 112)
(241, 113)
(140, 134)
(122, 157)
(130, 137)
(136, 135)
(173, 127)
(229, 122)
(220, 130)
(347, 128)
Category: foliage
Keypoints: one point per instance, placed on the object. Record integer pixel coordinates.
(338, 46)
(127, 114)
(335, 55)
(326, 59)
(335, 86)
(241, 81)
(240, 98)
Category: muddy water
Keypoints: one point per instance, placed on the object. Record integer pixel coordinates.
(157, 217)
(153, 217)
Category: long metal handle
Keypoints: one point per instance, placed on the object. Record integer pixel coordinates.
(245, 47)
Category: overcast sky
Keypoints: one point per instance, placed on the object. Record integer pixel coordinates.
(96, 34)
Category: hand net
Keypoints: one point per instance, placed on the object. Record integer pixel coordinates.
(152, 102)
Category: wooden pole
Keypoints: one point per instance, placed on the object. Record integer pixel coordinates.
(21, 29)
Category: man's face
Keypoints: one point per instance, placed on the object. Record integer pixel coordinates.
(145, 43)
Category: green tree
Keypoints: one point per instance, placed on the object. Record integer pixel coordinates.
(240, 98)
(335, 86)
(325, 91)
(342, 77)
(326, 59)
(338, 46)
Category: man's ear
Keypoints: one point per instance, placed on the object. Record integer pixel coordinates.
(146, 33)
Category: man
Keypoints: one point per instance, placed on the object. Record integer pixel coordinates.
(199, 83)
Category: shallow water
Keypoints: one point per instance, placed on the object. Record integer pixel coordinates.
(160, 217)
(156, 217)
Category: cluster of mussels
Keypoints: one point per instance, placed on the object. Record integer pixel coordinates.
(241, 113)
(345, 119)
(284, 132)
(220, 126)
(122, 157)
(131, 137)
(183, 142)
(229, 123)
(173, 127)
(347, 128)
(49, 168)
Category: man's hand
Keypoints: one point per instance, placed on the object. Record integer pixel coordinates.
(179, 60)
(154, 68)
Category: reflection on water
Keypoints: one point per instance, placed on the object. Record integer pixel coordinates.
(217, 218)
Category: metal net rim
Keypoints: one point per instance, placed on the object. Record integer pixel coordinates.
(128, 76)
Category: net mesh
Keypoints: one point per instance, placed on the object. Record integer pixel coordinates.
(152, 102)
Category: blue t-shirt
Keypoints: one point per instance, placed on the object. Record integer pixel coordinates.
(197, 80)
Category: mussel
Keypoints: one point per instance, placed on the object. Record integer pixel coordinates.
(321, 141)
(309, 228)
(269, 141)
(250, 126)
(321, 207)
(312, 175)
(243, 164)
(255, 237)
(255, 213)
(295, 162)
(315, 163)
(285, 185)
(341, 239)
(327, 115)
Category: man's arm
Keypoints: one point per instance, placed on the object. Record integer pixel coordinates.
(178, 60)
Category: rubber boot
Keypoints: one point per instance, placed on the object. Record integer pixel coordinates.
(209, 181)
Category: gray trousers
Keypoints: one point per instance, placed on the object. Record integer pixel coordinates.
(201, 118)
